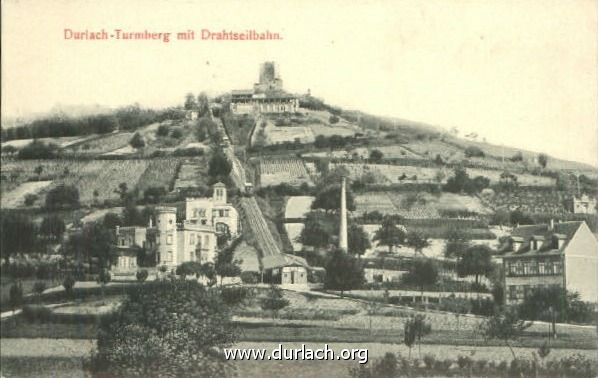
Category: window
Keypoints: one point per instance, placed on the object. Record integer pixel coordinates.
(206, 241)
(192, 239)
(519, 292)
(169, 239)
(542, 268)
(557, 267)
(512, 292)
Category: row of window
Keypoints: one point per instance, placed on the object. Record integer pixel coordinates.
(201, 213)
(520, 292)
(534, 268)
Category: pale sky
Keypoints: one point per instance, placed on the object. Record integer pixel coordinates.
(522, 73)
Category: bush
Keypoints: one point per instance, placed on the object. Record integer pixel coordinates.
(473, 151)
(62, 196)
(430, 361)
(39, 287)
(68, 284)
(163, 130)
(137, 141)
(333, 119)
(36, 313)
(30, 199)
(38, 150)
(142, 275)
(166, 328)
(250, 277)
(177, 133)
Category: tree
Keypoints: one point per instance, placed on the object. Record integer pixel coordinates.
(343, 272)
(163, 130)
(476, 260)
(189, 268)
(122, 190)
(389, 234)
(68, 284)
(62, 196)
(274, 301)
(543, 160)
(423, 272)
(111, 220)
(329, 199)
(457, 242)
(358, 240)
(505, 325)
(52, 227)
(225, 265)
(38, 171)
(415, 329)
(142, 275)
(554, 304)
(219, 166)
(190, 103)
(16, 295)
(166, 328)
(103, 279)
(38, 288)
(99, 242)
(38, 150)
(137, 141)
(203, 104)
(19, 235)
(376, 156)
(315, 233)
(417, 241)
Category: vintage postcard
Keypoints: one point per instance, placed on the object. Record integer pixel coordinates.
(368, 188)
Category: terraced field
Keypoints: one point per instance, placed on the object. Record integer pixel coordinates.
(289, 171)
(190, 174)
(103, 144)
(159, 173)
(16, 197)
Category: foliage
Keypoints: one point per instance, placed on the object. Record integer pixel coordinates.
(274, 301)
(473, 151)
(18, 235)
(52, 227)
(457, 241)
(16, 295)
(333, 119)
(553, 304)
(219, 166)
(390, 234)
(317, 232)
(376, 155)
(357, 239)
(137, 141)
(423, 272)
(415, 329)
(504, 325)
(460, 182)
(543, 160)
(62, 196)
(38, 150)
(39, 287)
(329, 199)
(417, 240)
(68, 283)
(343, 272)
(142, 275)
(476, 260)
(166, 328)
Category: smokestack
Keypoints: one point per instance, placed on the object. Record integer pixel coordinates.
(342, 238)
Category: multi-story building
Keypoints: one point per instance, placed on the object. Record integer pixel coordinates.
(584, 204)
(562, 254)
(267, 96)
(193, 239)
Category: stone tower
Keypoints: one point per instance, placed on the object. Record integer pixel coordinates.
(342, 238)
(167, 235)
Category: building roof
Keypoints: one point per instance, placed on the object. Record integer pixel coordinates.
(281, 260)
(542, 232)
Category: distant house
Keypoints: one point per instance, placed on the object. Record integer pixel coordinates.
(562, 254)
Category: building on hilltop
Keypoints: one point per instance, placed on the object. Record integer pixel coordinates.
(194, 239)
(562, 254)
(267, 96)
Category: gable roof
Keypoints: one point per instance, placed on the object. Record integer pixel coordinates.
(542, 232)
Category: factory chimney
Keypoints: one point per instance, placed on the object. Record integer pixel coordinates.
(342, 238)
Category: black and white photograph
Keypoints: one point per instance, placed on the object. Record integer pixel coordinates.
(261, 188)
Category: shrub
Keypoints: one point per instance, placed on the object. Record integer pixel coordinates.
(30, 199)
(166, 328)
(142, 275)
(429, 360)
(36, 313)
(333, 119)
(15, 295)
(68, 284)
(250, 277)
(62, 196)
(137, 141)
(473, 151)
(235, 295)
(464, 362)
(177, 133)
(39, 287)
(163, 130)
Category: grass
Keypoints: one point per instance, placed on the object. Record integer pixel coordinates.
(41, 367)
(7, 282)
